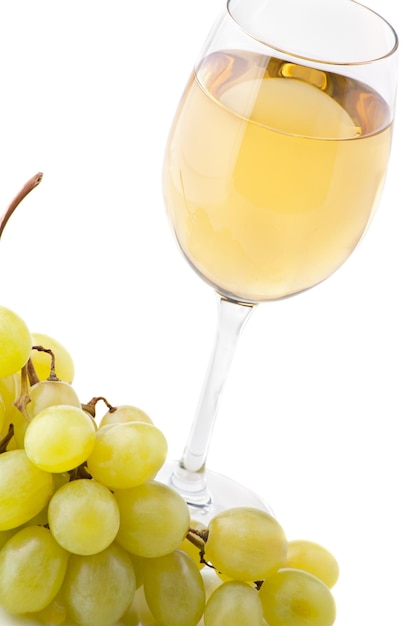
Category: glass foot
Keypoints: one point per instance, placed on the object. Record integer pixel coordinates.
(208, 493)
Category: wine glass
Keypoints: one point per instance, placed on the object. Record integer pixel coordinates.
(273, 168)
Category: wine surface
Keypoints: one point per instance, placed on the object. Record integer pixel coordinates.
(272, 172)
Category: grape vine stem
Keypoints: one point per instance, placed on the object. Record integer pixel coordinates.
(26, 189)
(6, 439)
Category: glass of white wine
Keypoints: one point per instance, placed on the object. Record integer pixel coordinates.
(274, 165)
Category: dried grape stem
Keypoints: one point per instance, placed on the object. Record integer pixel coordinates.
(7, 438)
(199, 538)
(32, 375)
(52, 375)
(24, 398)
(26, 189)
(90, 407)
(197, 541)
(80, 472)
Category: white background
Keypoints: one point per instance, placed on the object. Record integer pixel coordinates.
(319, 413)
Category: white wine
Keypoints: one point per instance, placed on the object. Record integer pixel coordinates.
(272, 172)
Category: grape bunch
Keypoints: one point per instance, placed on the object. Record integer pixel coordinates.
(88, 536)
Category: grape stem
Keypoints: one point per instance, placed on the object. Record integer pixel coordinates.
(24, 398)
(197, 537)
(26, 189)
(79, 472)
(90, 407)
(52, 375)
(32, 375)
(7, 438)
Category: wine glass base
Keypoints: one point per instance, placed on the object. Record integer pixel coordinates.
(208, 493)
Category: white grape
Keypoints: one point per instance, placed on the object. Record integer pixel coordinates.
(48, 393)
(59, 438)
(32, 569)
(292, 597)
(125, 413)
(234, 603)
(313, 558)
(142, 446)
(174, 589)
(154, 519)
(24, 489)
(245, 544)
(83, 516)
(15, 342)
(98, 589)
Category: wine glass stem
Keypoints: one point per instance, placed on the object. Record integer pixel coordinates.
(190, 476)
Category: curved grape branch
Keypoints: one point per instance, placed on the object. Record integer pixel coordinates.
(26, 189)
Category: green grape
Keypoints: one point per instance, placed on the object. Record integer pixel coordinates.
(190, 548)
(313, 558)
(234, 603)
(154, 519)
(98, 589)
(141, 447)
(174, 589)
(83, 516)
(24, 489)
(32, 569)
(292, 597)
(15, 342)
(59, 438)
(64, 366)
(246, 544)
(125, 413)
(48, 393)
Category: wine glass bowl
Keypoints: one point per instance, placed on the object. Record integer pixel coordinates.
(275, 162)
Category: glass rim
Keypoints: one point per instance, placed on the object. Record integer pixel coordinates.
(318, 60)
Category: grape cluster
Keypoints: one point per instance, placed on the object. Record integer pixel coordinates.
(88, 536)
